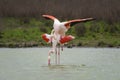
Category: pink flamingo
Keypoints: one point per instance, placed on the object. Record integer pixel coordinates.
(58, 36)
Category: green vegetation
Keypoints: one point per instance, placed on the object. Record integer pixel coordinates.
(22, 32)
(26, 32)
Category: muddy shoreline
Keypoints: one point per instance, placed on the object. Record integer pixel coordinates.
(37, 44)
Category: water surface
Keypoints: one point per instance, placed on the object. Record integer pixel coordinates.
(76, 64)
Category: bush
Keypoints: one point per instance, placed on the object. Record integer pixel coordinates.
(1, 35)
(80, 30)
(95, 28)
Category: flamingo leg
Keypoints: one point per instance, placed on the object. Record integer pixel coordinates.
(49, 59)
(56, 56)
(59, 54)
(53, 50)
(61, 47)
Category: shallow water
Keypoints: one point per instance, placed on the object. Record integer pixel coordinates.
(76, 64)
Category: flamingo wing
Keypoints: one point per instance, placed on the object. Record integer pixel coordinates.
(65, 39)
(49, 17)
(73, 22)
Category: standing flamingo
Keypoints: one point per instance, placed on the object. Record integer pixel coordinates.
(58, 36)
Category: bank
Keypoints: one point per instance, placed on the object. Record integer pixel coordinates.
(26, 32)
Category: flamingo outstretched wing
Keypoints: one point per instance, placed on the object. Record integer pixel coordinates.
(73, 22)
(49, 17)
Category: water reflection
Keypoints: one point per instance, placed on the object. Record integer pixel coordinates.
(66, 67)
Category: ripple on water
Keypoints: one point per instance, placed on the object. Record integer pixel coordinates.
(66, 67)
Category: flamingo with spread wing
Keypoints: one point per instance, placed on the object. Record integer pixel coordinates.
(58, 36)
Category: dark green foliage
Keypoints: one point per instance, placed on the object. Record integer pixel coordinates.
(94, 28)
(101, 43)
(80, 30)
(1, 35)
(43, 29)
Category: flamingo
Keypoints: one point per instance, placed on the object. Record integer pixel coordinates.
(58, 36)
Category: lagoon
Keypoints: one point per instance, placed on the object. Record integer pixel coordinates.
(76, 64)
